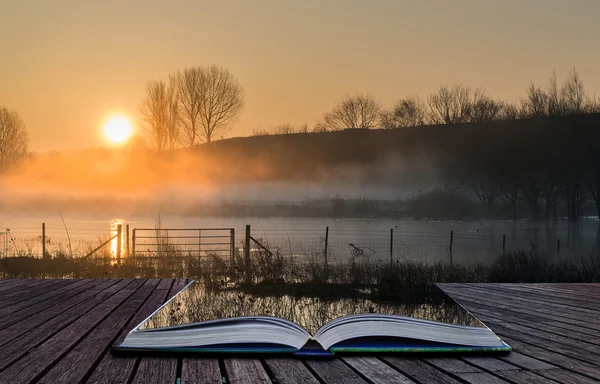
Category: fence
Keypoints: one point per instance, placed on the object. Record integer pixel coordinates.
(157, 241)
(328, 244)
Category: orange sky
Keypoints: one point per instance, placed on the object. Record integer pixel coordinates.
(66, 65)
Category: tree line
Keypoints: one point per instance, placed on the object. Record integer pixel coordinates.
(457, 104)
(192, 107)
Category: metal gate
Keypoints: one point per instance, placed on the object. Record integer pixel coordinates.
(186, 241)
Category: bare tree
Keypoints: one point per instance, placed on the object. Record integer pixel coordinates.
(221, 99)
(407, 112)
(483, 107)
(356, 112)
(450, 105)
(160, 111)
(187, 85)
(535, 103)
(510, 112)
(13, 138)
(573, 94)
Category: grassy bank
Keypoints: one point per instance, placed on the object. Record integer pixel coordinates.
(267, 272)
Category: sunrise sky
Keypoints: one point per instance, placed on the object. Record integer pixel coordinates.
(66, 66)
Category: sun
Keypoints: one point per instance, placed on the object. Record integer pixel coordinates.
(118, 129)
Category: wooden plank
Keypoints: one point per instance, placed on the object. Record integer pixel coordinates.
(564, 376)
(570, 299)
(199, 370)
(23, 292)
(570, 291)
(81, 293)
(524, 361)
(165, 284)
(118, 369)
(17, 347)
(483, 295)
(75, 365)
(419, 371)
(247, 371)
(156, 370)
(18, 282)
(586, 352)
(376, 371)
(481, 378)
(286, 370)
(528, 311)
(458, 368)
(555, 358)
(525, 377)
(40, 294)
(532, 301)
(32, 310)
(167, 365)
(40, 359)
(334, 371)
(492, 364)
(547, 331)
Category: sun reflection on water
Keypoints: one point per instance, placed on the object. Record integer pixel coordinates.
(114, 242)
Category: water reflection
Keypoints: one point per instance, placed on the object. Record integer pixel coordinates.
(114, 242)
(197, 303)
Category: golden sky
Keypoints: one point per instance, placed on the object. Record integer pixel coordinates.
(66, 65)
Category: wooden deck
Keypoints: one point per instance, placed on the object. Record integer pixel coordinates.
(61, 331)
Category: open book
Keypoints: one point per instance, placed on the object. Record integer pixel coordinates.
(231, 321)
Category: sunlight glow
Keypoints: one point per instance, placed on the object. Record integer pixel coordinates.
(118, 129)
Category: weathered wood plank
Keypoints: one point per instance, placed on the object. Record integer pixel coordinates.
(36, 296)
(167, 365)
(17, 347)
(571, 300)
(286, 370)
(78, 362)
(334, 372)
(564, 376)
(419, 371)
(481, 378)
(491, 364)
(246, 371)
(118, 369)
(555, 358)
(528, 311)
(156, 370)
(198, 370)
(525, 377)
(32, 310)
(11, 284)
(26, 291)
(455, 367)
(524, 361)
(40, 359)
(80, 294)
(376, 371)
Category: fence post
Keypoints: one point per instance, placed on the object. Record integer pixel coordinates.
(392, 247)
(133, 242)
(200, 241)
(503, 243)
(232, 245)
(127, 240)
(43, 240)
(451, 241)
(119, 242)
(247, 250)
(326, 243)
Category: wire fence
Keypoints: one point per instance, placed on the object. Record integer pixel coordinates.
(458, 246)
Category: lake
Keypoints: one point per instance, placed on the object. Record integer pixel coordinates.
(421, 240)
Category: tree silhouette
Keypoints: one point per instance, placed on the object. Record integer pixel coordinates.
(356, 112)
(13, 138)
(160, 114)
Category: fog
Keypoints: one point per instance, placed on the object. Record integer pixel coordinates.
(101, 179)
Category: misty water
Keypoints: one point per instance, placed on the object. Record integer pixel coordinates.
(413, 240)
